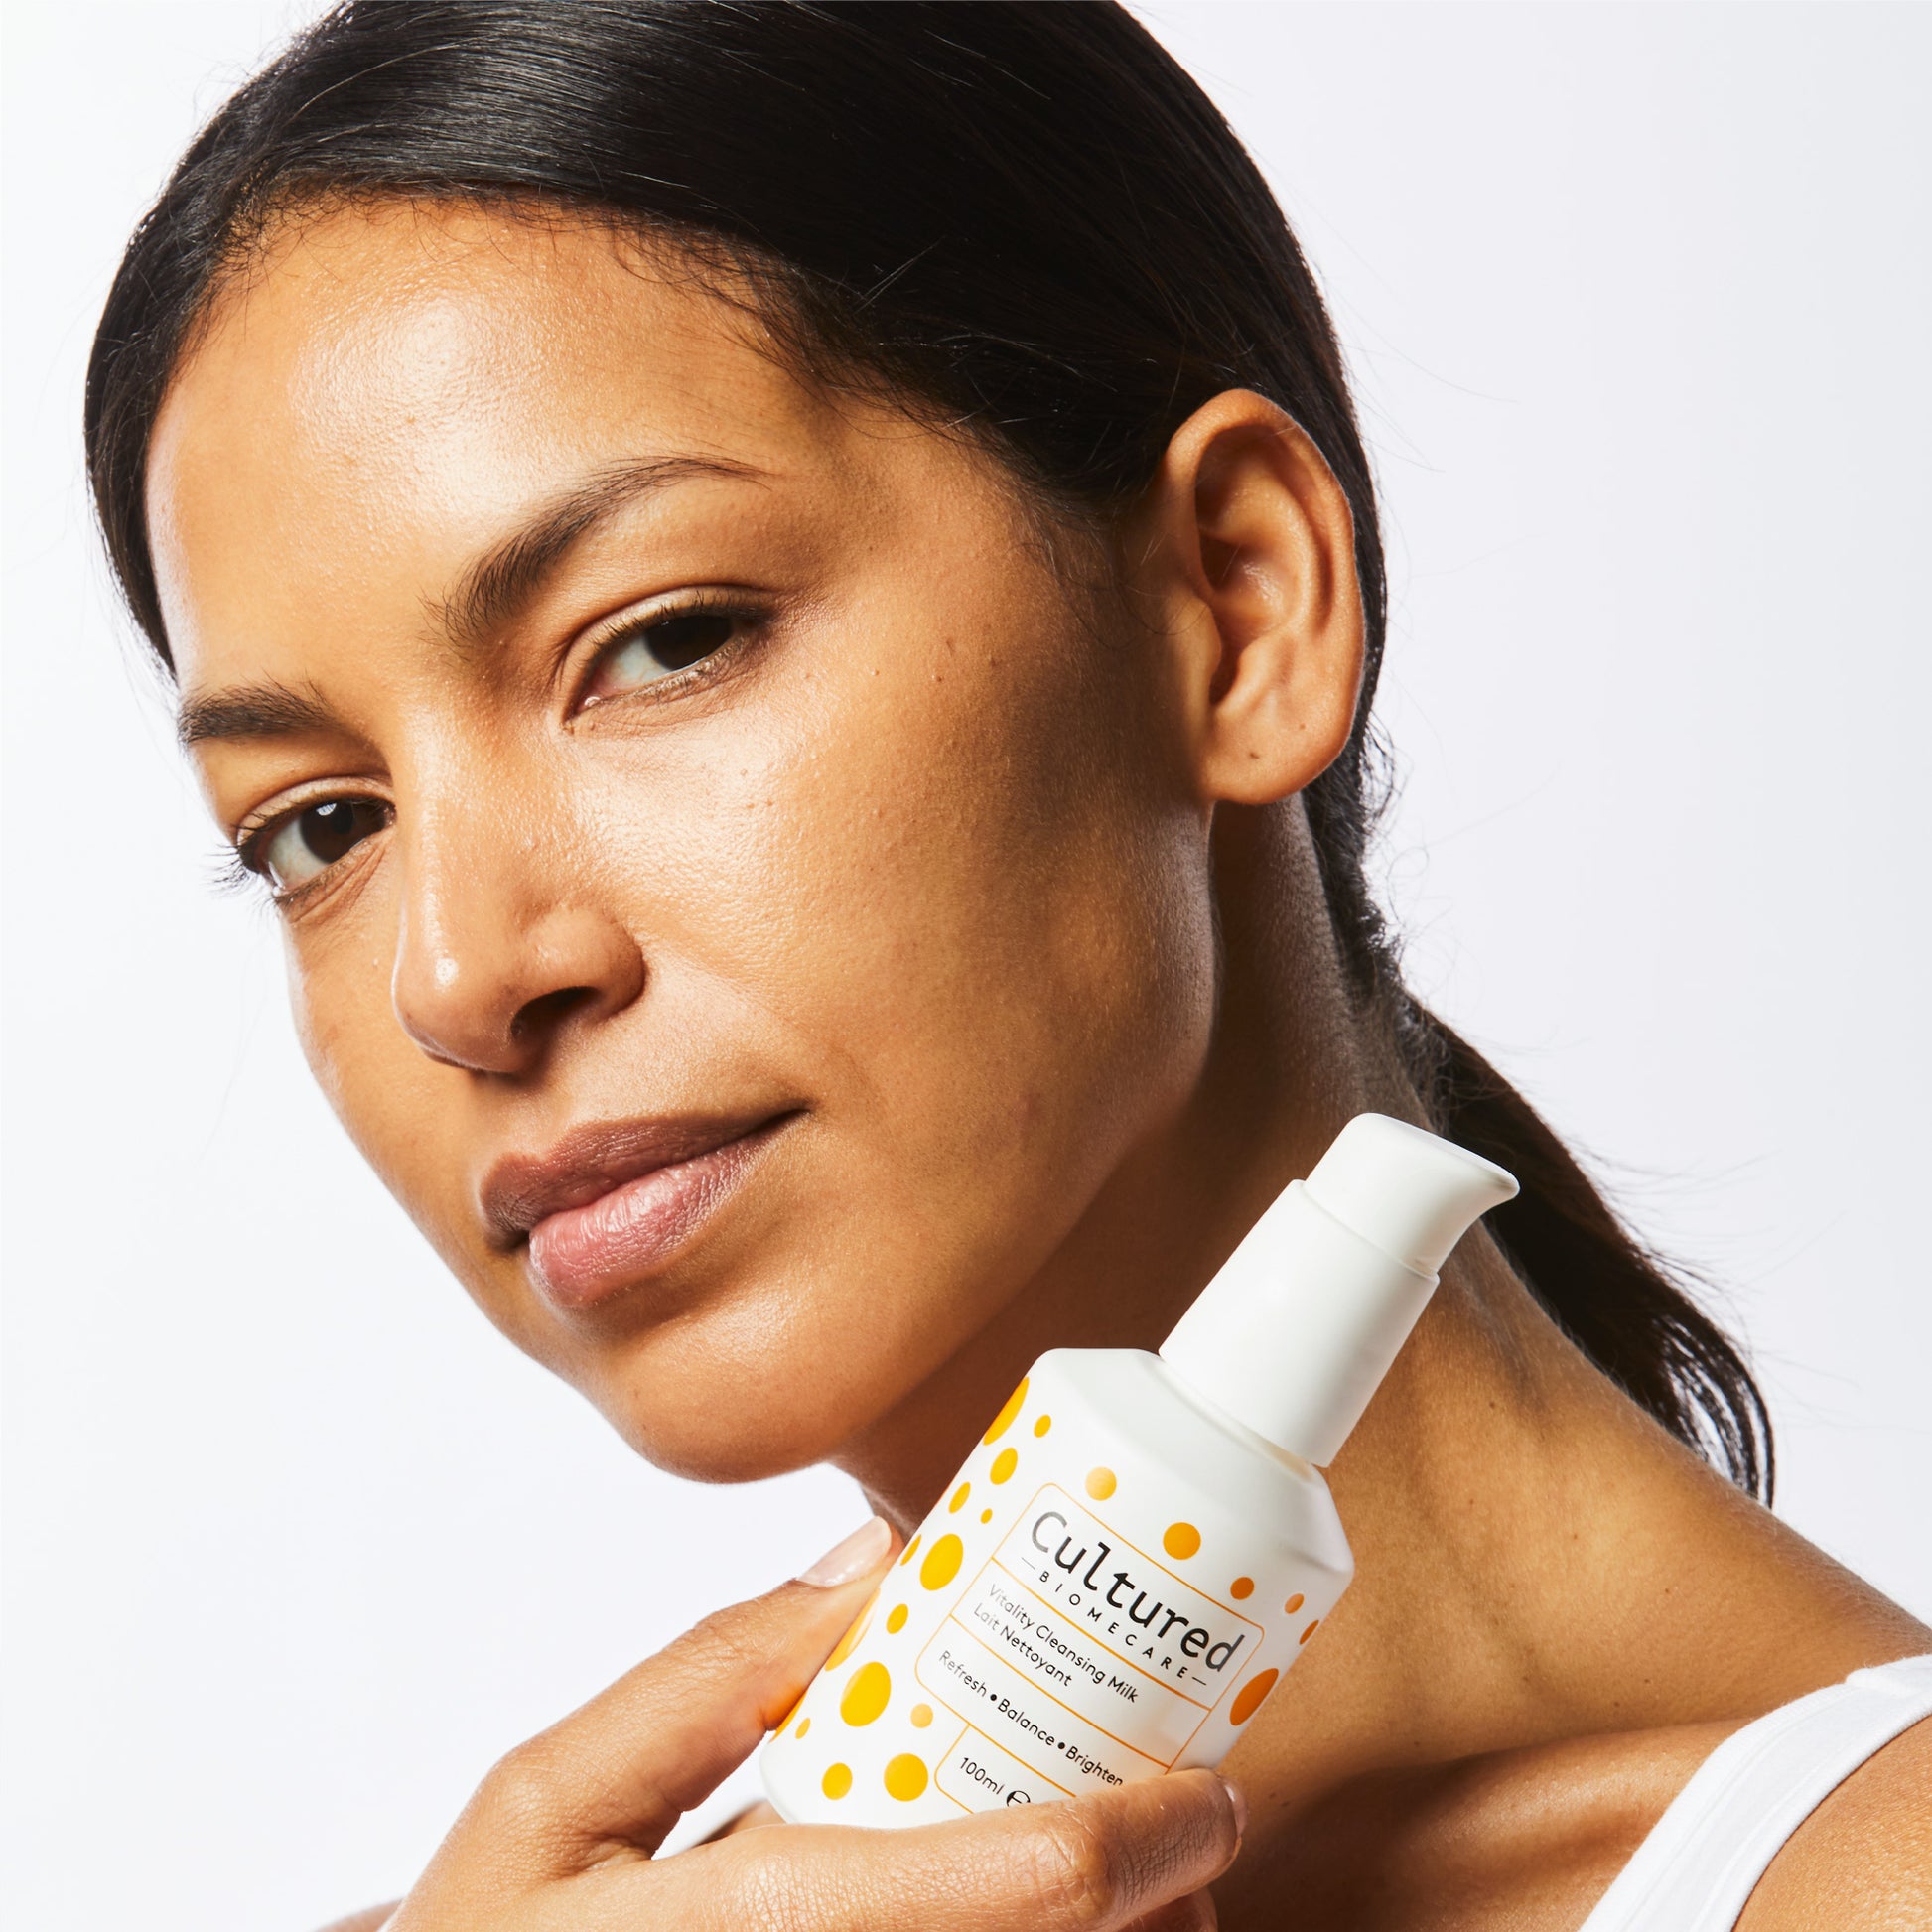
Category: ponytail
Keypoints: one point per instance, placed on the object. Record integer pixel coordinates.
(1616, 1301)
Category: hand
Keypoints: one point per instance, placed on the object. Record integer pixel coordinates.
(561, 1836)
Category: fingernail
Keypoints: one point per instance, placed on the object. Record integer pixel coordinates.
(1240, 1805)
(856, 1556)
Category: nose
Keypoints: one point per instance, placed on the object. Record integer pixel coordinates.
(504, 944)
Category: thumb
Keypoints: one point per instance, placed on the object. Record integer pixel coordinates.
(617, 1773)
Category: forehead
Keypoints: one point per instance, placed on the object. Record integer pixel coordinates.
(375, 394)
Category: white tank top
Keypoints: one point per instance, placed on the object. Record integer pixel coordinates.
(1703, 1858)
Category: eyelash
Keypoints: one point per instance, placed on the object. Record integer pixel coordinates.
(706, 603)
(238, 869)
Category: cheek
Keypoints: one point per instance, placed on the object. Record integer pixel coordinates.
(410, 1118)
(958, 885)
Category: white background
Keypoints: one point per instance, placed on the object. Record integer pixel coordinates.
(1638, 300)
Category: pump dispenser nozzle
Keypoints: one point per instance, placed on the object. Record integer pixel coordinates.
(1296, 1333)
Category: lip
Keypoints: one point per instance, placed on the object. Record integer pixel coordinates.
(613, 1201)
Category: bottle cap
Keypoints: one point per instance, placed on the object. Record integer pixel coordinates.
(1297, 1331)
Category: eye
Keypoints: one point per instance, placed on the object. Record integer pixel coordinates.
(290, 852)
(645, 651)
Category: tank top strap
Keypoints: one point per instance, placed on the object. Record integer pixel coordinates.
(1698, 1868)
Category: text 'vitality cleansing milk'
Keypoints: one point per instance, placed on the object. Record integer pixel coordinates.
(1142, 1543)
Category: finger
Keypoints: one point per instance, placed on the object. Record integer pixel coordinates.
(753, 1817)
(1087, 1864)
(618, 1773)
(1194, 1913)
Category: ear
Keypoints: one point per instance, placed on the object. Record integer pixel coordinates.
(1243, 554)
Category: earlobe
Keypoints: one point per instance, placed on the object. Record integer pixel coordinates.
(1257, 542)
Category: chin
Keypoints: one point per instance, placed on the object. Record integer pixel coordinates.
(697, 1407)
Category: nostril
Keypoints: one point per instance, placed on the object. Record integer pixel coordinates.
(548, 1010)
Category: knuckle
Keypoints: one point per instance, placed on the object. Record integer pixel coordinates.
(727, 1643)
(768, 1891)
(1083, 1876)
(520, 1788)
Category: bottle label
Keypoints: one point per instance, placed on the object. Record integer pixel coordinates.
(1078, 1657)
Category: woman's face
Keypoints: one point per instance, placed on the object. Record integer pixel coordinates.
(735, 900)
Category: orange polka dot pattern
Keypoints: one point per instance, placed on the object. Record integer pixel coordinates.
(941, 1562)
(1247, 1700)
(1004, 1420)
(867, 1694)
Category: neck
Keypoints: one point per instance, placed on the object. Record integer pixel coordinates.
(1289, 1064)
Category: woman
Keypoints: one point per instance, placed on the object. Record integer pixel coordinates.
(786, 600)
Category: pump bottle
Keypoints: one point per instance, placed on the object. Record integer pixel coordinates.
(1141, 1545)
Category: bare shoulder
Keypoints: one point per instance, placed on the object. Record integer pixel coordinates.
(1863, 1860)
(373, 1920)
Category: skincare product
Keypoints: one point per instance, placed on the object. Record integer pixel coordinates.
(1141, 1545)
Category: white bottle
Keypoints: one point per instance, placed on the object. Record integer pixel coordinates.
(1141, 1545)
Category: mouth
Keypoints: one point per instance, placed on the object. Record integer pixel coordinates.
(615, 1201)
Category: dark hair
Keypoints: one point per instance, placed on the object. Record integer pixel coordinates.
(1024, 217)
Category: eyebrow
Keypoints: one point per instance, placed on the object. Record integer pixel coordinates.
(487, 595)
(500, 581)
(253, 711)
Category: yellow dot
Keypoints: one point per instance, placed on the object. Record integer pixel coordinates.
(986, 1516)
(1293, 1604)
(1004, 1420)
(1241, 1588)
(905, 1777)
(1248, 1700)
(1309, 1632)
(804, 1725)
(1043, 1425)
(794, 1711)
(922, 1714)
(848, 1641)
(1101, 1483)
(941, 1562)
(1005, 1464)
(837, 1780)
(1180, 1539)
(866, 1695)
(959, 1496)
(909, 1548)
(895, 1621)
